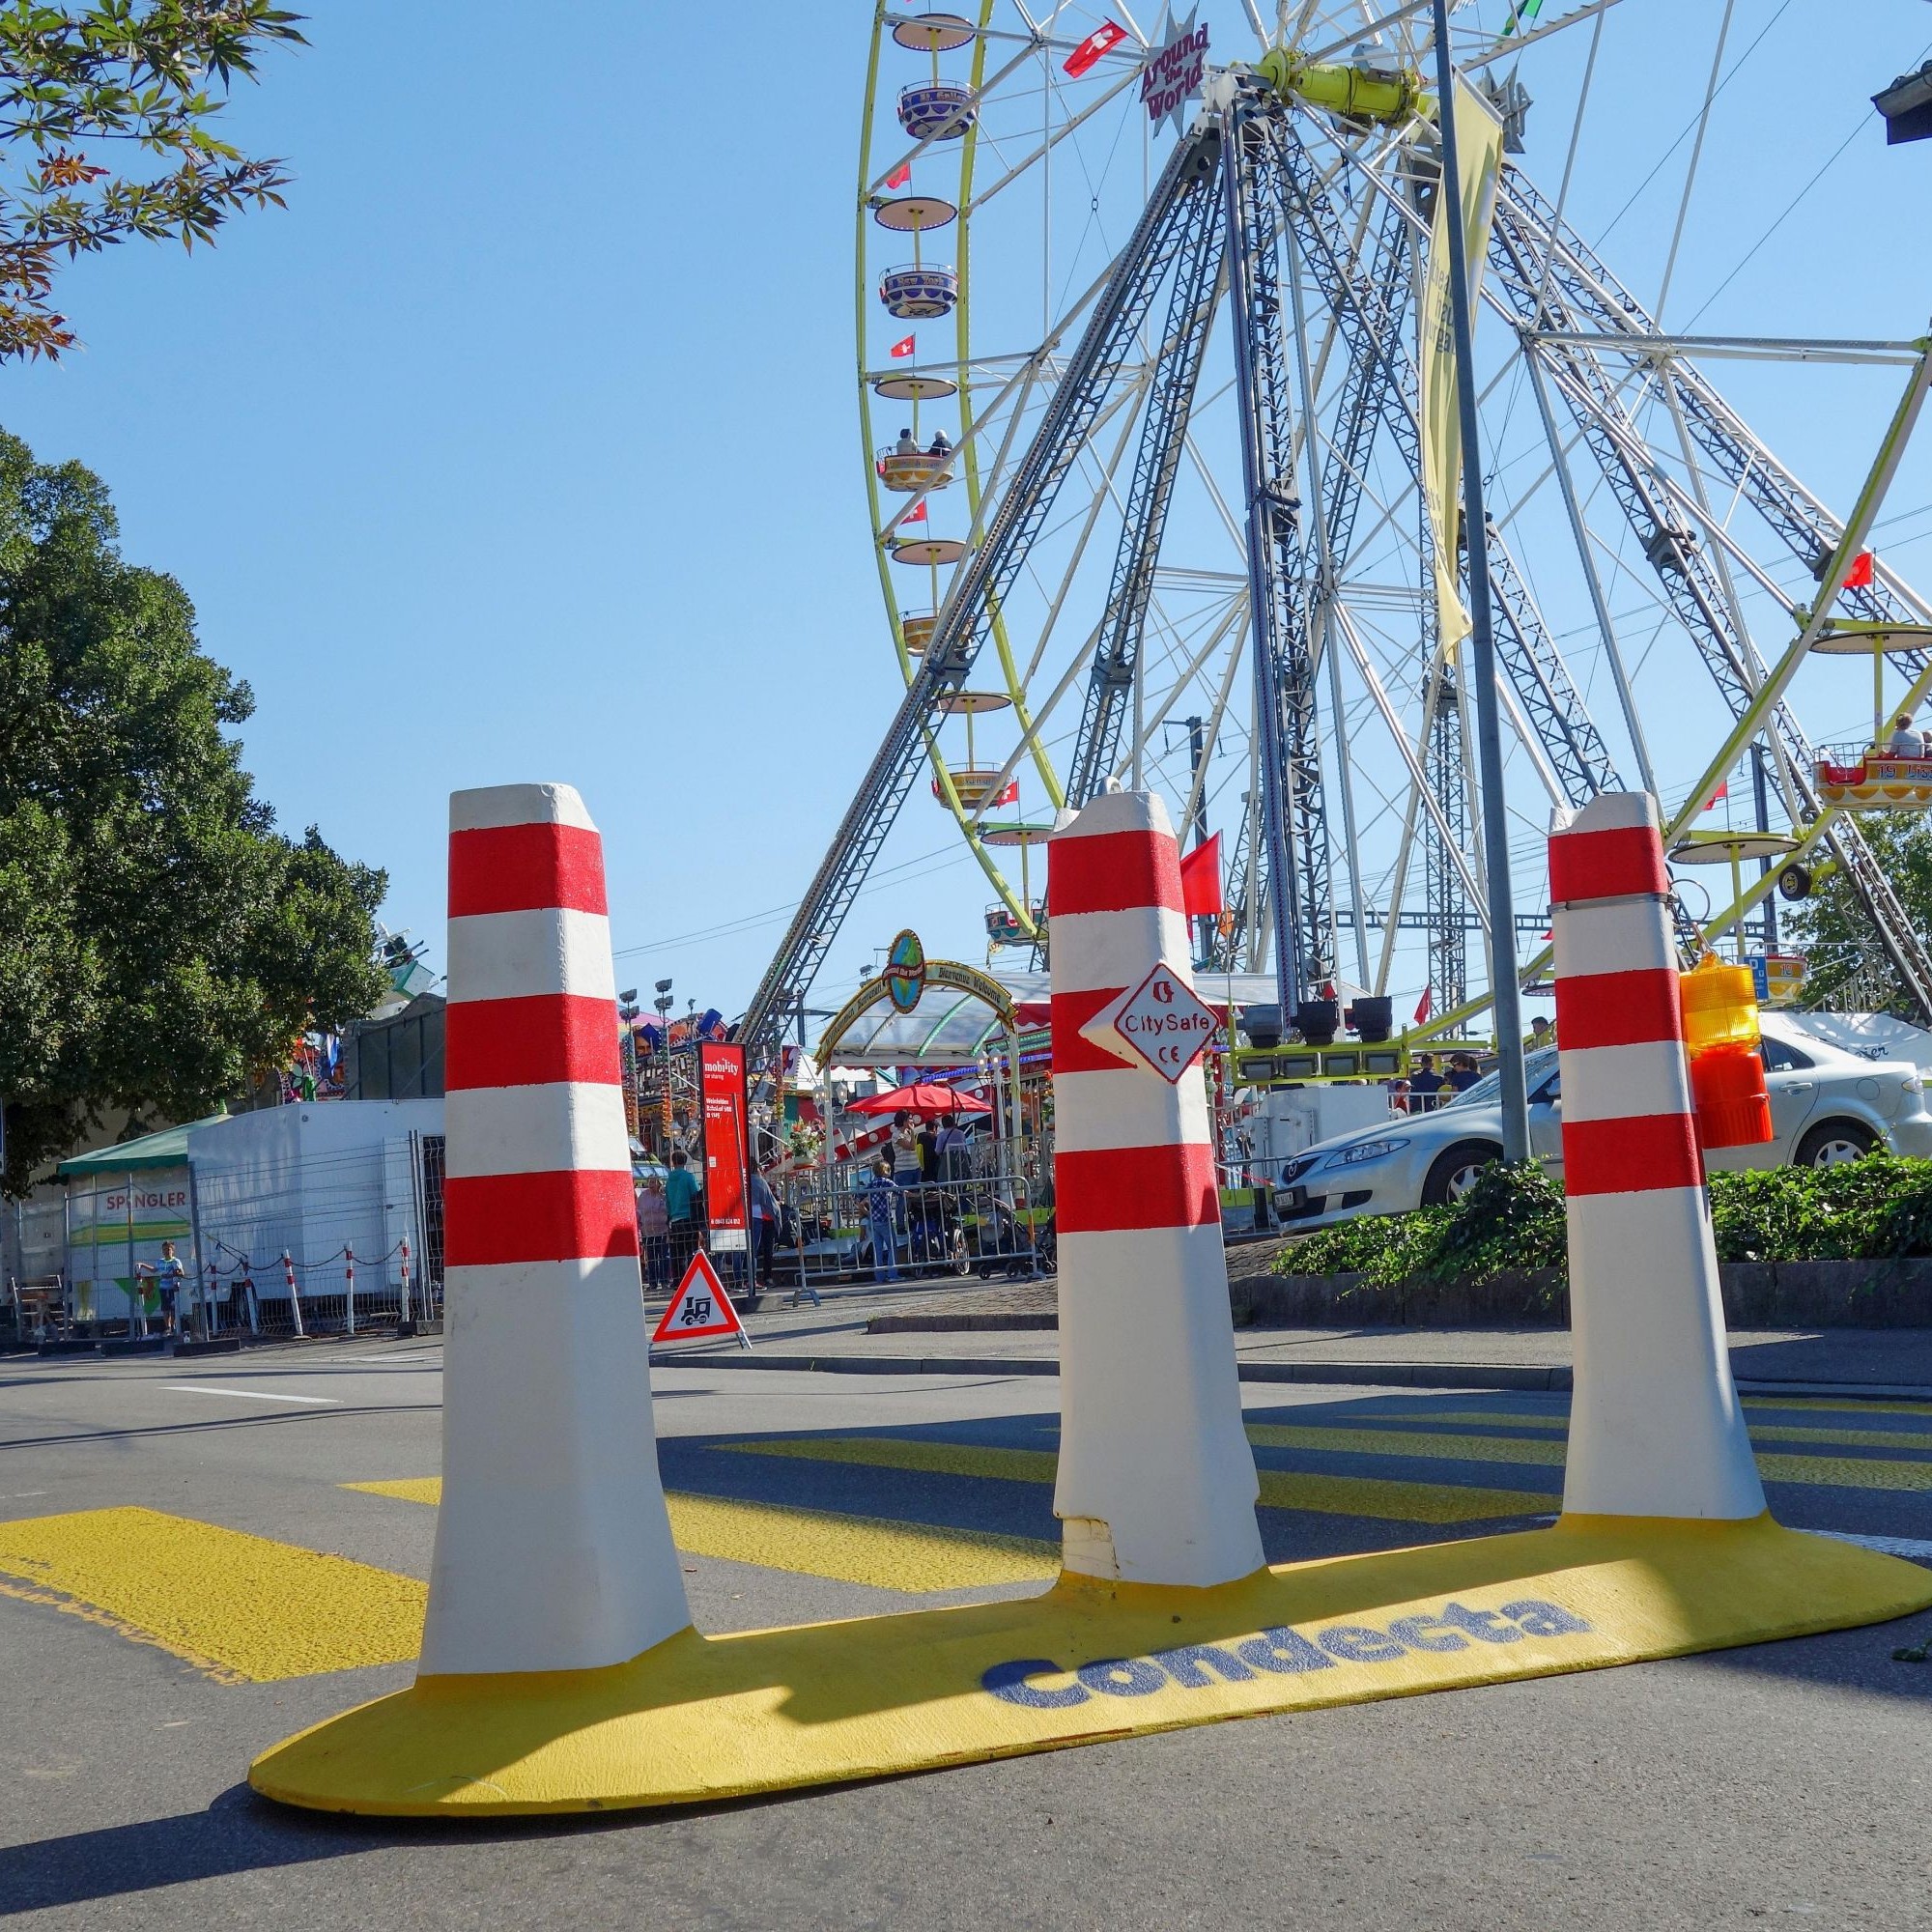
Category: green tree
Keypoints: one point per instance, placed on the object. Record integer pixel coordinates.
(127, 77)
(1848, 967)
(160, 941)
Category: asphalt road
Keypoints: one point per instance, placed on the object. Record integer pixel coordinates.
(1788, 1780)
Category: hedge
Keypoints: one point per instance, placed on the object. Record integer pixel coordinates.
(1512, 1220)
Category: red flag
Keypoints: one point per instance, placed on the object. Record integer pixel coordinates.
(903, 349)
(1200, 879)
(901, 174)
(1860, 576)
(917, 514)
(1423, 1005)
(1100, 40)
(1717, 798)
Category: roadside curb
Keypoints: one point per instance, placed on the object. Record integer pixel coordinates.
(1501, 1376)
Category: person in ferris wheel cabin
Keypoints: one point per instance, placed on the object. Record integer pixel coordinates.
(940, 446)
(905, 445)
(1906, 743)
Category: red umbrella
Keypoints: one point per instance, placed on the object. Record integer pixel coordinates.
(922, 1096)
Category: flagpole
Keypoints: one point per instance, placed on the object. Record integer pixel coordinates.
(1505, 997)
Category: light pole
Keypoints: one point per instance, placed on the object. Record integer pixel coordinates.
(1505, 1001)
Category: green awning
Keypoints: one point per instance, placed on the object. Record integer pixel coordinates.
(166, 1148)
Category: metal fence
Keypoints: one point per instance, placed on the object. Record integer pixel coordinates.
(989, 1211)
(352, 1241)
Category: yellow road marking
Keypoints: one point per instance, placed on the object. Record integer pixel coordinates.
(1840, 1407)
(1761, 1431)
(1280, 1489)
(1490, 1418)
(888, 1555)
(243, 1608)
(1843, 1472)
(1861, 1438)
(1408, 1443)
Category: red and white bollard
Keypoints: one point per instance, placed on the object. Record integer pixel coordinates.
(349, 1278)
(294, 1296)
(409, 1312)
(553, 1545)
(1156, 1481)
(1654, 1425)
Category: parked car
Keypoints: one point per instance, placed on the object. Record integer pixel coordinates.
(1826, 1105)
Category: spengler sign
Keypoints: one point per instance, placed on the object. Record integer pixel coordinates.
(1164, 1023)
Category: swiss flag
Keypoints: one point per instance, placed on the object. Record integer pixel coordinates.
(1424, 1004)
(901, 174)
(1011, 794)
(1200, 879)
(1860, 576)
(903, 349)
(1102, 40)
(917, 514)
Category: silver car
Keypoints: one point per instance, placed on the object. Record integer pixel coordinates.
(1826, 1105)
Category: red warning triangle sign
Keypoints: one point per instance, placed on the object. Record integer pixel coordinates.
(699, 1307)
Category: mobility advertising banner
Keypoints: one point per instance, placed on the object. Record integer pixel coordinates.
(720, 1079)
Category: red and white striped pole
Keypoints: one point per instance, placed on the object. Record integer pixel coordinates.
(1156, 1481)
(349, 1278)
(295, 1294)
(1655, 1425)
(552, 1546)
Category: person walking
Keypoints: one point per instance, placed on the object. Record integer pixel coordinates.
(880, 1198)
(906, 1176)
(167, 1274)
(681, 1212)
(764, 1228)
(1425, 1085)
(931, 1206)
(654, 1235)
(169, 1278)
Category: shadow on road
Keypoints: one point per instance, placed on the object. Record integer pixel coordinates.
(240, 1831)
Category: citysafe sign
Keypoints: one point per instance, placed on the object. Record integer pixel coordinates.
(1160, 1020)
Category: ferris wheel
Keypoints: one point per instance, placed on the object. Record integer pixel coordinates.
(1151, 335)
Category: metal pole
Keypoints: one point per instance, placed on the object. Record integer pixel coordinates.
(1272, 861)
(202, 1291)
(1579, 529)
(1504, 993)
(1325, 592)
(1763, 802)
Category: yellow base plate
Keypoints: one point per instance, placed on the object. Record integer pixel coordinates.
(707, 1717)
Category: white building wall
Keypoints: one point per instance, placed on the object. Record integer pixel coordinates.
(312, 1178)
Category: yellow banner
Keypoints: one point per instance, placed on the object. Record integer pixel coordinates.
(1479, 147)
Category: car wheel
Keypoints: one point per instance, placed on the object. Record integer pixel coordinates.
(1833, 1141)
(1455, 1171)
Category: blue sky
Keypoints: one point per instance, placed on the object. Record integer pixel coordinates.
(524, 445)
